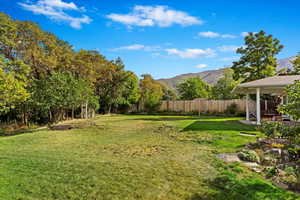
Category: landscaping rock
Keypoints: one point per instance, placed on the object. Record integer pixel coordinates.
(267, 160)
(256, 169)
(285, 156)
(229, 157)
(251, 164)
(274, 151)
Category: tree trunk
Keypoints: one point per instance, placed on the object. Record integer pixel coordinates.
(73, 112)
(50, 116)
(86, 109)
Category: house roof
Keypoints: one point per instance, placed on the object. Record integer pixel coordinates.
(267, 85)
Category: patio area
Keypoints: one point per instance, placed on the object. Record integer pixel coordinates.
(273, 86)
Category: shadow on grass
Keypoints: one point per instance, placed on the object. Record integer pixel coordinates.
(229, 125)
(231, 188)
(20, 132)
(175, 118)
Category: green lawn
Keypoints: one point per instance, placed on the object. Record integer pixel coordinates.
(131, 157)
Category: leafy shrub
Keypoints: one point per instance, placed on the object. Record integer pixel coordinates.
(232, 109)
(271, 172)
(280, 130)
(248, 155)
(269, 129)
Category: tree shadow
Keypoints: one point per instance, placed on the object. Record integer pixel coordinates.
(228, 188)
(229, 125)
(20, 132)
(175, 118)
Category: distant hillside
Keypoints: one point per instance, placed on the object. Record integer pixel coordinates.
(212, 76)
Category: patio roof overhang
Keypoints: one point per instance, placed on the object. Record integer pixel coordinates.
(270, 85)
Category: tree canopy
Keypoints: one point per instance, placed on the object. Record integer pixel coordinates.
(257, 57)
(43, 77)
(224, 86)
(292, 108)
(193, 88)
(151, 93)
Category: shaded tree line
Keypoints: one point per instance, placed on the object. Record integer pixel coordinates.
(44, 80)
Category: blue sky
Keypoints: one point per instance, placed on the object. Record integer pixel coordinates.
(163, 38)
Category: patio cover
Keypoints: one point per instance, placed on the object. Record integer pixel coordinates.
(275, 84)
(270, 85)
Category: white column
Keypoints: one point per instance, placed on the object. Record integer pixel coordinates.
(258, 106)
(247, 108)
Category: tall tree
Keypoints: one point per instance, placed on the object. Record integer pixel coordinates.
(258, 57)
(296, 66)
(224, 86)
(13, 83)
(110, 84)
(151, 93)
(193, 88)
(8, 34)
(59, 92)
(130, 92)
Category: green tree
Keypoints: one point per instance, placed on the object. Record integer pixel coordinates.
(130, 92)
(169, 94)
(258, 57)
(110, 84)
(193, 88)
(296, 66)
(13, 83)
(151, 93)
(8, 34)
(223, 88)
(292, 108)
(59, 92)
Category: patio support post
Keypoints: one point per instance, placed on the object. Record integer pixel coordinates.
(247, 107)
(258, 106)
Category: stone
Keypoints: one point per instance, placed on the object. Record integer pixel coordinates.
(229, 157)
(267, 160)
(251, 164)
(285, 156)
(281, 185)
(275, 151)
(256, 169)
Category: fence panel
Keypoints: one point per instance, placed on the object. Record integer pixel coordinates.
(205, 105)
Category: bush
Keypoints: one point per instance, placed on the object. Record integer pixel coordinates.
(269, 129)
(232, 109)
(248, 155)
(280, 130)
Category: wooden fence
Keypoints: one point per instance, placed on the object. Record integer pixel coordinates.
(204, 105)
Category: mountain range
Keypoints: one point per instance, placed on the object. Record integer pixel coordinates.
(212, 76)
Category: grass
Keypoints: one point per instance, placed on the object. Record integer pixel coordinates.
(131, 157)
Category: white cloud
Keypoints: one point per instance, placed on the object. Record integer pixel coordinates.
(228, 36)
(161, 16)
(136, 47)
(210, 34)
(55, 10)
(244, 34)
(192, 53)
(228, 48)
(233, 58)
(200, 66)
